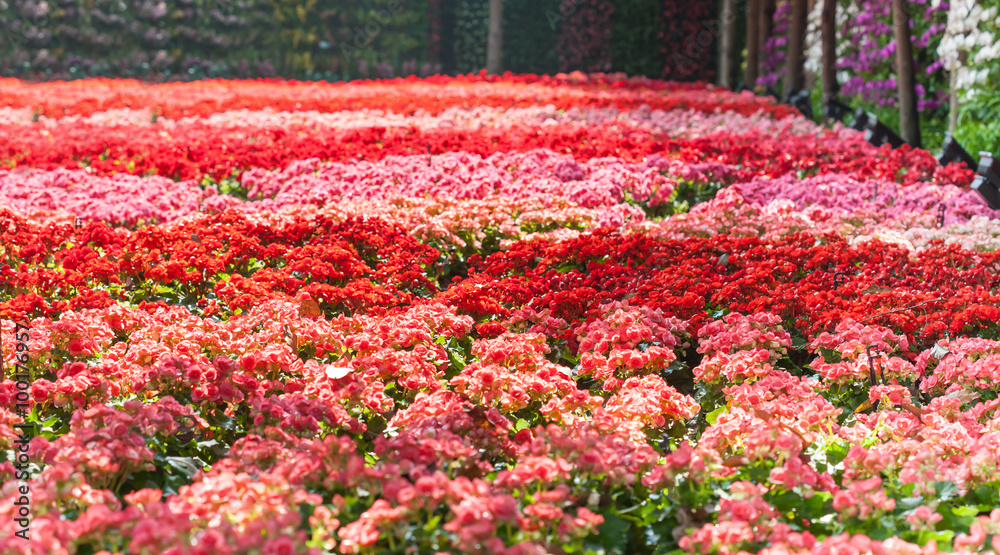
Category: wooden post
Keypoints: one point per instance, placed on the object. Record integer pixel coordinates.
(494, 40)
(727, 46)
(909, 122)
(829, 31)
(765, 13)
(753, 43)
(795, 67)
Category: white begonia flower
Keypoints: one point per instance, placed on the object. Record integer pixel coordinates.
(968, 35)
(814, 38)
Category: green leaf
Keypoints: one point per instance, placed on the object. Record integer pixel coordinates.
(945, 490)
(432, 524)
(787, 501)
(220, 420)
(714, 415)
(909, 503)
(986, 497)
(942, 538)
(188, 466)
(456, 360)
(520, 424)
(966, 511)
(613, 532)
(836, 453)
(305, 511)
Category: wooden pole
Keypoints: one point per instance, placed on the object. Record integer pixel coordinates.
(765, 14)
(727, 46)
(753, 43)
(829, 38)
(795, 67)
(909, 121)
(494, 40)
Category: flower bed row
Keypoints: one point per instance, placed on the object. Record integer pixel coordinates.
(538, 337)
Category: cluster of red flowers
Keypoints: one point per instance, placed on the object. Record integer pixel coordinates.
(402, 96)
(195, 150)
(599, 348)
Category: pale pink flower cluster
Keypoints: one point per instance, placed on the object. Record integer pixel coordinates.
(539, 174)
(979, 233)
(626, 341)
(529, 320)
(10, 115)
(649, 401)
(740, 347)
(675, 123)
(729, 213)
(736, 332)
(863, 499)
(63, 195)
(888, 199)
(970, 363)
(744, 517)
(732, 214)
(512, 372)
(849, 345)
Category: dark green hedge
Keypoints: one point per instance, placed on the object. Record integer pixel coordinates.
(304, 39)
(315, 39)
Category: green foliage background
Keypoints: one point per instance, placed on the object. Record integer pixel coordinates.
(301, 39)
(310, 39)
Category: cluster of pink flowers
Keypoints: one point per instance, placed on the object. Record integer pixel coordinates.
(64, 195)
(675, 123)
(627, 341)
(536, 174)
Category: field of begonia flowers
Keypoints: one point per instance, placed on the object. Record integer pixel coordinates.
(520, 315)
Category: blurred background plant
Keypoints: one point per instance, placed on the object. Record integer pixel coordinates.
(471, 22)
(955, 55)
(195, 39)
(335, 39)
(970, 51)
